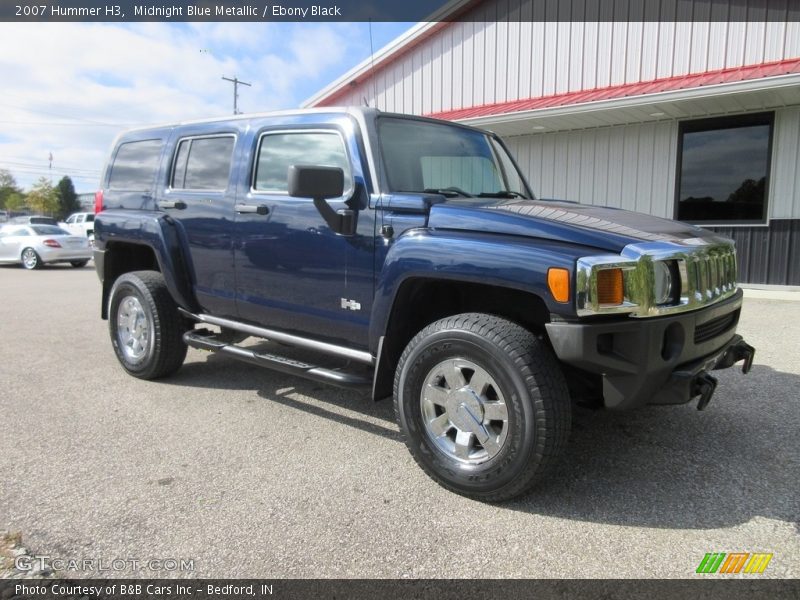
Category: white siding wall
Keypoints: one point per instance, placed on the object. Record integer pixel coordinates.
(631, 166)
(784, 189)
(634, 166)
(469, 64)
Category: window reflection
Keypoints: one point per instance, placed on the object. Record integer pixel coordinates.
(724, 168)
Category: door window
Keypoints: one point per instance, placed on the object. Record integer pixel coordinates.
(203, 163)
(278, 151)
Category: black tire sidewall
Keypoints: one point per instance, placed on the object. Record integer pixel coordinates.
(519, 446)
(132, 286)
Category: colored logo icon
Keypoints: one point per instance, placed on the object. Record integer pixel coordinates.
(734, 562)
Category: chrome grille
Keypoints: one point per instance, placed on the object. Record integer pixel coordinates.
(710, 274)
(707, 268)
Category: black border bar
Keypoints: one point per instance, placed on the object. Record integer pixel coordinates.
(400, 10)
(708, 587)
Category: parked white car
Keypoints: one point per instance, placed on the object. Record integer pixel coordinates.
(81, 223)
(36, 245)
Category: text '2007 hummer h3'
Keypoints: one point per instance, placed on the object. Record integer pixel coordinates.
(408, 256)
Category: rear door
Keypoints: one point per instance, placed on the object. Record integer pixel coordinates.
(198, 195)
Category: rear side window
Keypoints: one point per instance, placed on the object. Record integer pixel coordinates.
(135, 166)
(48, 230)
(278, 151)
(203, 163)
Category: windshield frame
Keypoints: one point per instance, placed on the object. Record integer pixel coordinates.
(493, 141)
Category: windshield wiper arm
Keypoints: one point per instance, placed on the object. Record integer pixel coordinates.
(451, 191)
(501, 194)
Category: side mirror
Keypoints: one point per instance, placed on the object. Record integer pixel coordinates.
(319, 184)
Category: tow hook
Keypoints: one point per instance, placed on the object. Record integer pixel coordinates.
(704, 386)
(745, 351)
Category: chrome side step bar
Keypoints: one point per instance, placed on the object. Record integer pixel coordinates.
(286, 338)
(205, 340)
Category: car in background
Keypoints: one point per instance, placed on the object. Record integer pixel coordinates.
(36, 245)
(81, 223)
(33, 220)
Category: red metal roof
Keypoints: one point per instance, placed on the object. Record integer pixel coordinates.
(666, 84)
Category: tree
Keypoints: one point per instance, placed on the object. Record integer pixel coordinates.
(43, 197)
(15, 201)
(67, 198)
(8, 186)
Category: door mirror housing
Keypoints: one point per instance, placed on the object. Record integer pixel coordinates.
(319, 184)
(306, 181)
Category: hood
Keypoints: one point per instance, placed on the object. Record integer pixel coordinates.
(601, 227)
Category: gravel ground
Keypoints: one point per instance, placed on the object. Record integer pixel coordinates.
(251, 473)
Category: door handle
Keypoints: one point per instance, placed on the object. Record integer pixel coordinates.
(259, 209)
(169, 204)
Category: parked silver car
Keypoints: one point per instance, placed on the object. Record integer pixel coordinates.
(35, 245)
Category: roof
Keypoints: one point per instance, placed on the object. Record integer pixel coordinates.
(655, 86)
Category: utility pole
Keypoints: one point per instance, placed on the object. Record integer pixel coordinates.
(236, 83)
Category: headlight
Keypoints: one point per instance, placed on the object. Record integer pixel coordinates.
(663, 282)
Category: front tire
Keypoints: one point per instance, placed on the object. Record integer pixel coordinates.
(482, 405)
(145, 326)
(30, 259)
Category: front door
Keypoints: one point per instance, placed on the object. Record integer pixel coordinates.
(293, 272)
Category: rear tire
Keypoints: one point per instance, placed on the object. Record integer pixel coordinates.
(30, 259)
(482, 405)
(145, 326)
(78, 263)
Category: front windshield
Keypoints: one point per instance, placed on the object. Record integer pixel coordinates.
(421, 156)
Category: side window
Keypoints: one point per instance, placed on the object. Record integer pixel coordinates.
(135, 166)
(278, 151)
(72, 219)
(203, 163)
(79, 219)
(90, 218)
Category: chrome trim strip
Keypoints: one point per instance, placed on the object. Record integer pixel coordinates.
(286, 338)
(706, 268)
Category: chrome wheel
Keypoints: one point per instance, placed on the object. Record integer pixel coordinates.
(30, 260)
(464, 411)
(133, 329)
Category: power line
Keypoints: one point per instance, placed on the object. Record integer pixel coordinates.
(37, 166)
(45, 171)
(51, 123)
(71, 118)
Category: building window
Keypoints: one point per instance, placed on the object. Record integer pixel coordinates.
(723, 169)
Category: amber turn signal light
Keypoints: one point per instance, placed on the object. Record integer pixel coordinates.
(558, 282)
(610, 287)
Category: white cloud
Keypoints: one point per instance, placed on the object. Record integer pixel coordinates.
(69, 88)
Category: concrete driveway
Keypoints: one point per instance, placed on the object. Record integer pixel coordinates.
(251, 473)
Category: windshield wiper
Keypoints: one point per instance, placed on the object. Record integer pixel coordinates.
(448, 191)
(501, 194)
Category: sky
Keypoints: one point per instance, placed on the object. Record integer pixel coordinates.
(70, 88)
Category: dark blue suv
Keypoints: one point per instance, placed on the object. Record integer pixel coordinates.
(410, 257)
